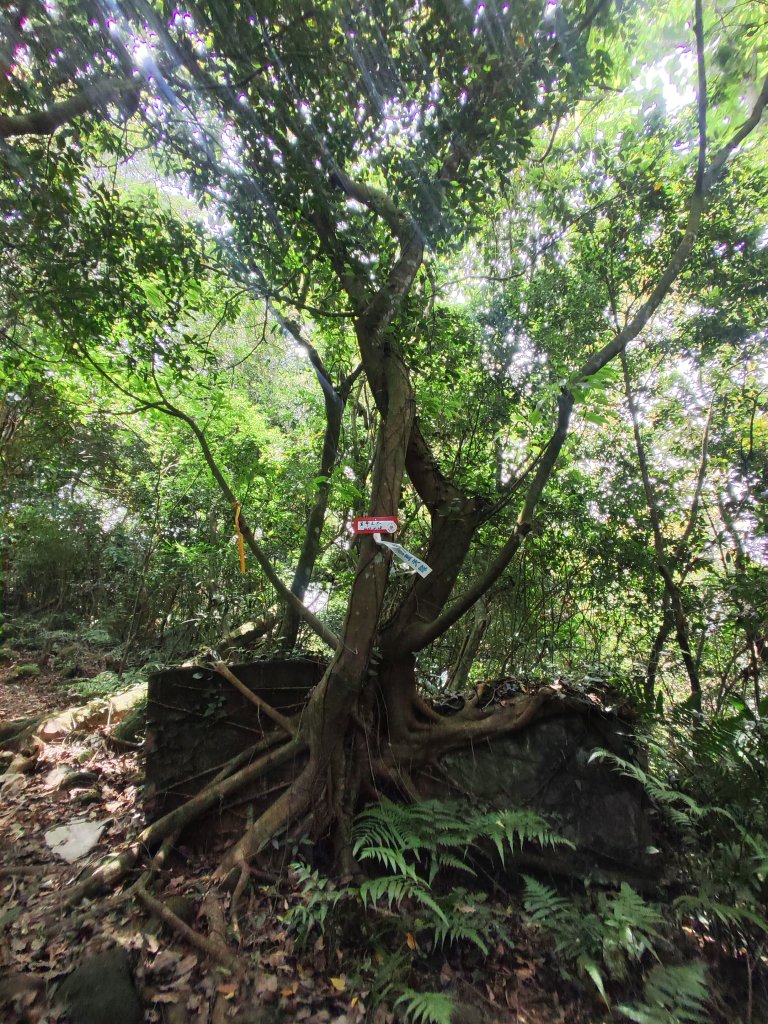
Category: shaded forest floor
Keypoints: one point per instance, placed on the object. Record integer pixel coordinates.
(80, 778)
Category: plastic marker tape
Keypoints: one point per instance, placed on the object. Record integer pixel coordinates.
(405, 557)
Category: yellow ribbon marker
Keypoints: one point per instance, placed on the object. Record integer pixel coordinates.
(240, 541)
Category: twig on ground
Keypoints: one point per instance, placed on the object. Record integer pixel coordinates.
(210, 947)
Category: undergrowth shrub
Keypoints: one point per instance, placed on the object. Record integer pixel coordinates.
(672, 995)
(603, 942)
(414, 844)
(105, 684)
(720, 850)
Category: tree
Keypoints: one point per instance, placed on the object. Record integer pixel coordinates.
(339, 193)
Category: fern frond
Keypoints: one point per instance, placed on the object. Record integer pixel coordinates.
(512, 828)
(708, 908)
(392, 889)
(457, 931)
(541, 902)
(590, 968)
(672, 995)
(628, 910)
(657, 789)
(426, 1007)
(439, 834)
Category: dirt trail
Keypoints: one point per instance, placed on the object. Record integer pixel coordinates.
(30, 696)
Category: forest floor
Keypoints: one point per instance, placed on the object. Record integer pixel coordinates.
(78, 778)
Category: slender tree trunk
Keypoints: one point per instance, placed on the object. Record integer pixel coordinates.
(459, 672)
(757, 643)
(679, 618)
(667, 624)
(334, 411)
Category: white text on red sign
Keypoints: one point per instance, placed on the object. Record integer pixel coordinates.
(367, 524)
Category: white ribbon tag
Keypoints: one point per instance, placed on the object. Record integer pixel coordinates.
(403, 556)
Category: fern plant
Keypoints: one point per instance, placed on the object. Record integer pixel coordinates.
(418, 840)
(425, 1007)
(413, 844)
(600, 943)
(672, 995)
(681, 809)
(724, 859)
(319, 898)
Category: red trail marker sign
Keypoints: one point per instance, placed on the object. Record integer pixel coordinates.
(375, 524)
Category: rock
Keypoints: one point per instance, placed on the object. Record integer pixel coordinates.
(78, 780)
(546, 767)
(86, 797)
(101, 991)
(196, 721)
(75, 840)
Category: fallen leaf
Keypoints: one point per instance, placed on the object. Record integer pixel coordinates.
(339, 984)
(165, 960)
(266, 983)
(410, 940)
(187, 964)
(165, 997)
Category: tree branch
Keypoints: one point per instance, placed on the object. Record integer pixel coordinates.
(325, 634)
(700, 478)
(679, 258)
(94, 96)
(421, 635)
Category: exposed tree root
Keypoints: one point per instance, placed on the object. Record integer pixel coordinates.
(420, 746)
(216, 791)
(96, 712)
(21, 764)
(121, 746)
(15, 732)
(214, 915)
(215, 948)
(106, 876)
(398, 778)
(242, 883)
(22, 747)
(405, 752)
(114, 870)
(278, 815)
(21, 870)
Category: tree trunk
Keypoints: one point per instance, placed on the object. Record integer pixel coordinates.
(459, 672)
(663, 563)
(662, 636)
(334, 411)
